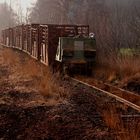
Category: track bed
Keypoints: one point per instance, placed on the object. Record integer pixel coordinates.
(85, 113)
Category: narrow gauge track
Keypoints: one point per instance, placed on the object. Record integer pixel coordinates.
(127, 98)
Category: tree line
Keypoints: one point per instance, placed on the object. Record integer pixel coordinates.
(116, 23)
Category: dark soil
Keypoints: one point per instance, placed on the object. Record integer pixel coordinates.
(25, 114)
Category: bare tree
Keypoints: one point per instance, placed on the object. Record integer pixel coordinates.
(7, 16)
(116, 23)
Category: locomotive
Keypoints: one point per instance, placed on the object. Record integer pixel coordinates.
(67, 48)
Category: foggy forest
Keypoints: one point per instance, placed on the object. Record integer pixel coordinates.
(70, 69)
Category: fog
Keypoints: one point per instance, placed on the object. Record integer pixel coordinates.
(116, 23)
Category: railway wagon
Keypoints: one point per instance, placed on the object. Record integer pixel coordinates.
(44, 41)
(7, 36)
(49, 36)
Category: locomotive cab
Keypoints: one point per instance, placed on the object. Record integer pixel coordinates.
(76, 54)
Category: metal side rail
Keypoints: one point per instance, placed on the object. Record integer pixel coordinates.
(132, 105)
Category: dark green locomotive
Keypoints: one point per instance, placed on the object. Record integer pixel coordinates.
(76, 54)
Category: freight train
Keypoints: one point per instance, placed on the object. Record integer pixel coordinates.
(67, 48)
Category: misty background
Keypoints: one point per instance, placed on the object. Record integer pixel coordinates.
(115, 23)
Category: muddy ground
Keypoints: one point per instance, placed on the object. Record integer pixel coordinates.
(28, 113)
(36, 105)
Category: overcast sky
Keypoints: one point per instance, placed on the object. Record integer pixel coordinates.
(24, 4)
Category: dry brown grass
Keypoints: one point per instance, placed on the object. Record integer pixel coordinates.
(26, 68)
(117, 69)
(10, 57)
(121, 130)
(52, 87)
(128, 66)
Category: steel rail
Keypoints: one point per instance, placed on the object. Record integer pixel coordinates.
(123, 90)
(124, 101)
